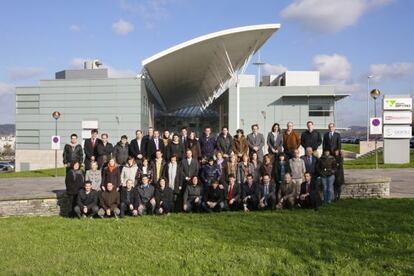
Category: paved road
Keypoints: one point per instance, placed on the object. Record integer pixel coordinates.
(402, 184)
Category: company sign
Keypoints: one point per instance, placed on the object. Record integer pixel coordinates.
(397, 132)
(397, 117)
(398, 104)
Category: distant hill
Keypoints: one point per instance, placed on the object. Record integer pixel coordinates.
(7, 129)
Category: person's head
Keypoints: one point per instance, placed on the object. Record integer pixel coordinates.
(138, 134)
(88, 186)
(184, 131)
(156, 134)
(192, 135)
(309, 151)
(112, 162)
(219, 155)
(158, 154)
(145, 162)
(176, 138)
(287, 177)
(233, 158)
(150, 131)
(255, 128)
(276, 127)
(173, 158)
(337, 152)
(267, 159)
(129, 184)
(145, 179)
(282, 157)
(331, 127)
(215, 184)
(232, 179)
(131, 161)
(76, 165)
(207, 131)
(109, 186)
(104, 138)
(297, 153)
(194, 180)
(326, 153)
(94, 165)
(255, 156)
(211, 161)
(124, 139)
(162, 182)
(308, 176)
(240, 132)
(289, 126)
(224, 130)
(94, 133)
(309, 125)
(74, 138)
(189, 154)
(166, 134)
(249, 178)
(245, 158)
(266, 178)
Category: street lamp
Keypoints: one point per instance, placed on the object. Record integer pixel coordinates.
(375, 94)
(56, 116)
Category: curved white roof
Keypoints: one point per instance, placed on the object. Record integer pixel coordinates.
(189, 73)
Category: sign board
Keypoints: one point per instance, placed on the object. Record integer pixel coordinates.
(397, 117)
(398, 104)
(397, 132)
(375, 126)
(55, 142)
(89, 124)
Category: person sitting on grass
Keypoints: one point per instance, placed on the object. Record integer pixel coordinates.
(109, 202)
(146, 200)
(193, 196)
(163, 198)
(287, 193)
(309, 194)
(213, 198)
(267, 193)
(128, 198)
(250, 194)
(232, 193)
(87, 202)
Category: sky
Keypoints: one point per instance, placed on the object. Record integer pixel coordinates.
(346, 40)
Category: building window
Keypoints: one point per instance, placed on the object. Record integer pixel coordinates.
(320, 110)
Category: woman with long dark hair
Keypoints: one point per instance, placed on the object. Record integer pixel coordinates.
(275, 140)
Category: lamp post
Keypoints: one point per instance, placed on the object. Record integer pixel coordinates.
(56, 116)
(368, 115)
(375, 93)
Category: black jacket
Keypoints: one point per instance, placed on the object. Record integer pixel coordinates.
(310, 165)
(236, 193)
(135, 150)
(121, 153)
(89, 149)
(133, 196)
(214, 195)
(332, 144)
(326, 165)
(104, 153)
(311, 139)
(179, 179)
(74, 181)
(175, 149)
(87, 200)
(71, 154)
(252, 191)
(152, 148)
(225, 144)
(277, 168)
(165, 195)
(272, 190)
(189, 170)
(313, 187)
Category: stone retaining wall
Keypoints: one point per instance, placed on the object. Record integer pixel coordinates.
(366, 188)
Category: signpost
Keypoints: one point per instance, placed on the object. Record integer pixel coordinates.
(56, 138)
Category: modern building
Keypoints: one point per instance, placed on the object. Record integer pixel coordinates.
(197, 83)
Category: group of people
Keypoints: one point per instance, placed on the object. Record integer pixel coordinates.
(175, 172)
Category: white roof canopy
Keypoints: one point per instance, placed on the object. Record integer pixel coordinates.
(192, 72)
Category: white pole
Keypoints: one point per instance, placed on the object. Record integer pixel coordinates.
(237, 103)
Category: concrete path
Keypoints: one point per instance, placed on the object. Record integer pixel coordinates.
(402, 184)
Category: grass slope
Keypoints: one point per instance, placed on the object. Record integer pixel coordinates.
(351, 237)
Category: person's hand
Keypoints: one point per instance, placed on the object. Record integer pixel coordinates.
(152, 201)
(261, 204)
(108, 212)
(179, 187)
(85, 209)
(93, 158)
(187, 178)
(135, 212)
(139, 156)
(262, 199)
(221, 186)
(161, 202)
(103, 188)
(185, 207)
(197, 200)
(231, 201)
(161, 210)
(256, 148)
(131, 207)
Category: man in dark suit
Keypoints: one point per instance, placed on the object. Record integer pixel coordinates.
(232, 194)
(137, 147)
(331, 140)
(250, 194)
(184, 137)
(91, 148)
(153, 144)
(310, 137)
(256, 142)
(267, 193)
(189, 166)
(310, 161)
(309, 194)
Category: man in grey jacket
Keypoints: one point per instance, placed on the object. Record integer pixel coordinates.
(193, 196)
(146, 199)
(256, 141)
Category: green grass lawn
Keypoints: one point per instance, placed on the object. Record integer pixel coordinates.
(351, 237)
(36, 173)
(369, 162)
(350, 147)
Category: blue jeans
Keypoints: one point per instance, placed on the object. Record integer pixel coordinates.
(327, 183)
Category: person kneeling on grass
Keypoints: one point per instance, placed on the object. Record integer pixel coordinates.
(192, 196)
(129, 197)
(213, 198)
(309, 194)
(250, 194)
(163, 198)
(146, 200)
(87, 201)
(287, 193)
(267, 193)
(232, 194)
(109, 202)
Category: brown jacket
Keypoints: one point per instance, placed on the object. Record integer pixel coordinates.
(110, 200)
(240, 145)
(291, 141)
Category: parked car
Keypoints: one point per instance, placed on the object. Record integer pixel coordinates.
(6, 167)
(412, 142)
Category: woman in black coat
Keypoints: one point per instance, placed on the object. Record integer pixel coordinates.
(339, 175)
(74, 182)
(176, 148)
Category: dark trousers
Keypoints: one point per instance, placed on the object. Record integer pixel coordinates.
(218, 208)
(288, 203)
(252, 203)
(192, 206)
(178, 202)
(166, 206)
(72, 201)
(232, 207)
(125, 209)
(337, 191)
(313, 200)
(91, 211)
(270, 202)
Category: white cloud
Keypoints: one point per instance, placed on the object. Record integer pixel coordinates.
(333, 68)
(25, 73)
(329, 16)
(74, 28)
(122, 27)
(78, 62)
(383, 72)
(6, 88)
(273, 69)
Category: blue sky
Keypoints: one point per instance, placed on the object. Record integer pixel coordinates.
(345, 39)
